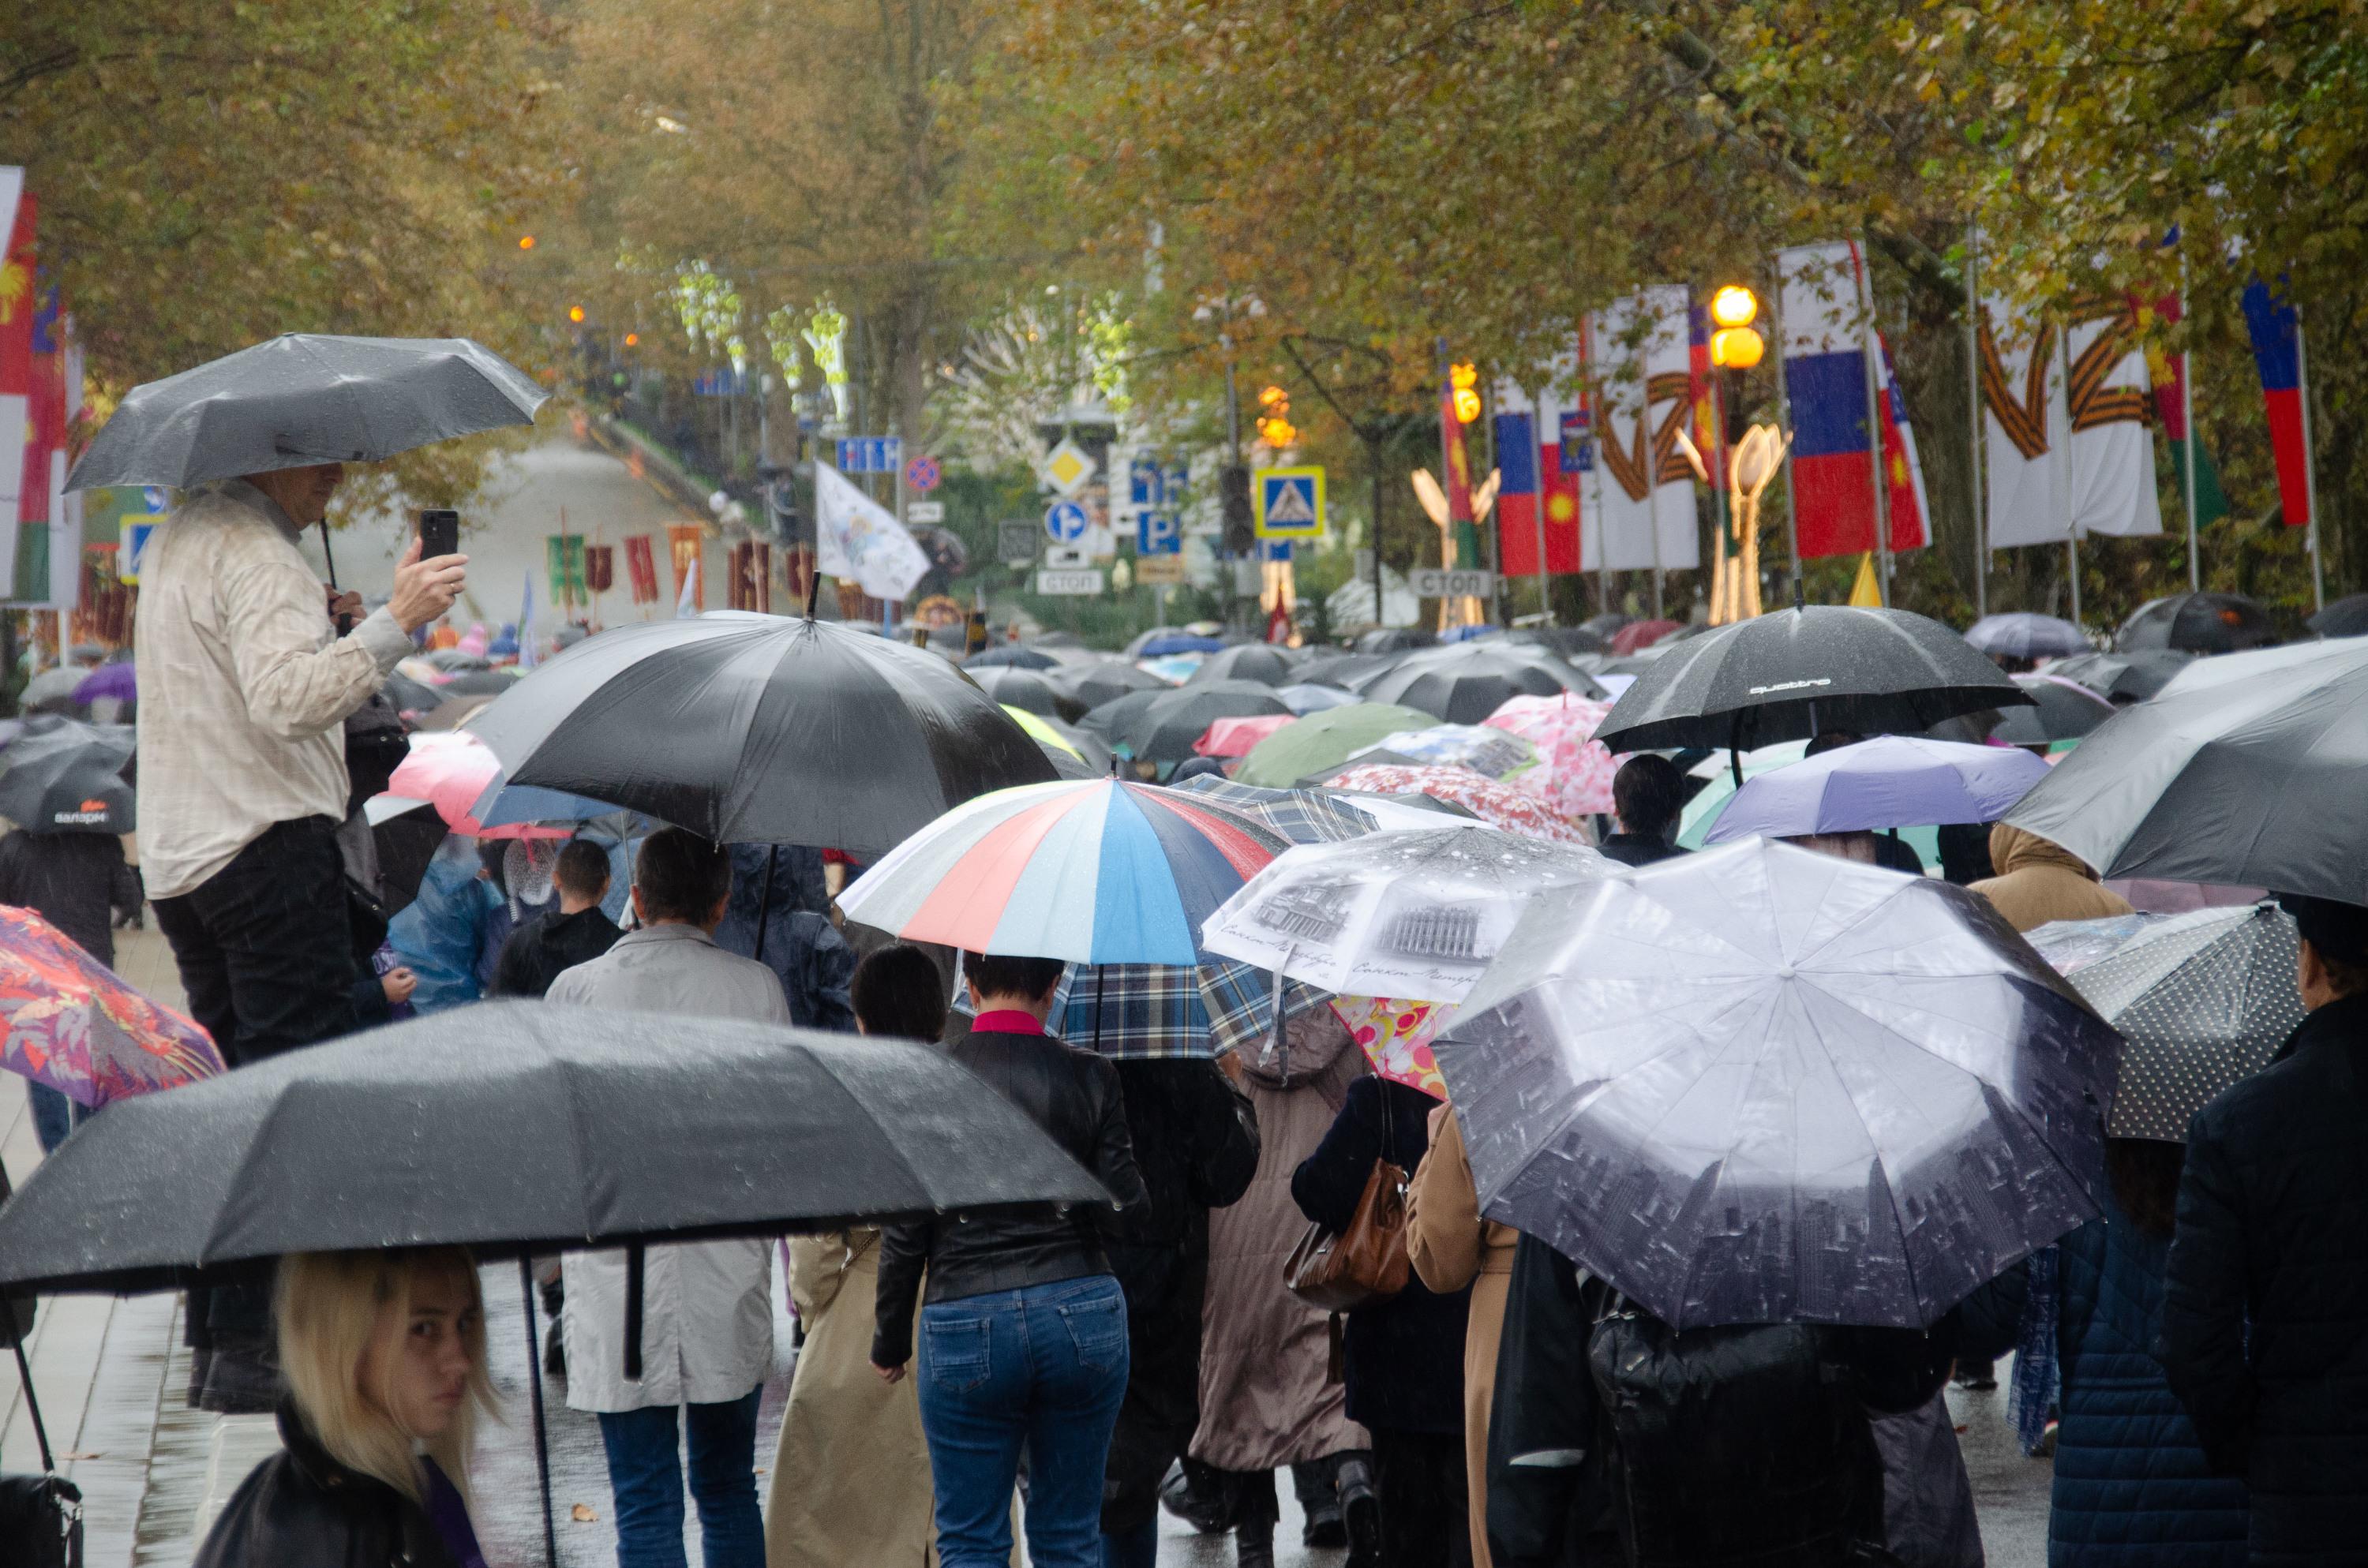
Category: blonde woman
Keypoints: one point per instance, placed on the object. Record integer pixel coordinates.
(384, 1357)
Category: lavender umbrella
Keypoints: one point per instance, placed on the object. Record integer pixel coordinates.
(1889, 781)
(109, 680)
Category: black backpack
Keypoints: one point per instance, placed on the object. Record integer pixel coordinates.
(1745, 1444)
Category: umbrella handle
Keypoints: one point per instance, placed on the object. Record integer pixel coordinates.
(541, 1433)
(32, 1405)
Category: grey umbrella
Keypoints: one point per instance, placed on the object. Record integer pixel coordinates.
(1251, 662)
(1165, 727)
(2124, 677)
(2202, 1000)
(1464, 683)
(2198, 623)
(2254, 782)
(1760, 1084)
(2061, 710)
(62, 775)
(1013, 686)
(1103, 680)
(300, 399)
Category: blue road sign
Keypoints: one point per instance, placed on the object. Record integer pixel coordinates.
(1274, 549)
(1158, 533)
(1146, 483)
(1577, 453)
(1065, 521)
(871, 454)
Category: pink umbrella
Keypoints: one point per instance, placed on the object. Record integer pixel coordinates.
(449, 769)
(1234, 737)
(1498, 805)
(1640, 634)
(68, 1021)
(1577, 778)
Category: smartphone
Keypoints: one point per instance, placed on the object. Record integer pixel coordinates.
(439, 532)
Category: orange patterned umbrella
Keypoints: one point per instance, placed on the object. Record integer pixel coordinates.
(73, 1024)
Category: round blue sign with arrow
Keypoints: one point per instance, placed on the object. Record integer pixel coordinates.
(1065, 521)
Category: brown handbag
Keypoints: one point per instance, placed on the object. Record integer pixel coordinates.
(1363, 1264)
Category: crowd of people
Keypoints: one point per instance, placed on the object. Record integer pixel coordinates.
(1071, 1372)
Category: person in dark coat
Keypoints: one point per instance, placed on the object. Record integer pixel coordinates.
(1404, 1355)
(1196, 1143)
(1647, 794)
(793, 922)
(78, 882)
(559, 938)
(2132, 1487)
(2265, 1316)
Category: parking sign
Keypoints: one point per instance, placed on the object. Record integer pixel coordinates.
(1158, 533)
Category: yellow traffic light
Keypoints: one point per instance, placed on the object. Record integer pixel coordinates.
(1272, 397)
(575, 312)
(1736, 348)
(1274, 426)
(632, 340)
(1734, 305)
(526, 242)
(1464, 377)
(1467, 405)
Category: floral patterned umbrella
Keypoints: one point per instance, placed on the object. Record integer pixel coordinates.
(1395, 1035)
(69, 1022)
(1576, 779)
(1500, 805)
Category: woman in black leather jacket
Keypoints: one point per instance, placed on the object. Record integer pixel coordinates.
(383, 1354)
(1023, 1339)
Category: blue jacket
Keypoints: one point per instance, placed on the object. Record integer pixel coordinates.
(2133, 1489)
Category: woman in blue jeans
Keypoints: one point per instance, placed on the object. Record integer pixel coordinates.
(1023, 1336)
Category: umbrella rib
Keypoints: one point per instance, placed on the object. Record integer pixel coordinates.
(1890, 1190)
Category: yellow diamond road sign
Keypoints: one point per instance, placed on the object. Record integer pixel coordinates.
(1066, 468)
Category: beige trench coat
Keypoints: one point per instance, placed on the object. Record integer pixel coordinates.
(850, 1480)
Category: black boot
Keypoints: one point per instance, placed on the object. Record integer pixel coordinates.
(1316, 1482)
(1254, 1546)
(1197, 1495)
(1360, 1511)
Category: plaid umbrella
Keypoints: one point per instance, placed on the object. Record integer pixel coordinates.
(1303, 817)
(70, 1022)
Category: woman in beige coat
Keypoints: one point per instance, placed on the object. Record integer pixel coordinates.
(1452, 1246)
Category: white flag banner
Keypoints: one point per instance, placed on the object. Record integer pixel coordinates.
(858, 538)
(1644, 488)
(2066, 427)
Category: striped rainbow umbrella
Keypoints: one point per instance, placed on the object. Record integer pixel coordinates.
(1099, 873)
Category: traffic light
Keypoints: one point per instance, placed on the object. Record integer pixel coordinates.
(526, 242)
(1274, 425)
(632, 340)
(1464, 381)
(576, 313)
(1736, 345)
(1234, 496)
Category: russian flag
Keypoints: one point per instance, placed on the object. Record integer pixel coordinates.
(1529, 468)
(1825, 306)
(2277, 351)
(1902, 472)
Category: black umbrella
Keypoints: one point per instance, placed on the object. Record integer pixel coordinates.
(2124, 677)
(1562, 642)
(2201, 1001)
(2060, 711)
(1098, 681)
(758, 728)
(1164, 728)
(1011, 655)
(479, 683)
(2198, 623)
(2347, 617)
(1606, 624)
(1091, 747)
(1793, 674)
(2021, 634)
(1396, 639)
(1250, 662)
(1012, 686)
(1348, 670)
(1465, 682)
(2256, 782)
(62, 776)
(1108, 718)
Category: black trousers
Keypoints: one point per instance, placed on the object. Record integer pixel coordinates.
(264, 947)
(1419, 1477)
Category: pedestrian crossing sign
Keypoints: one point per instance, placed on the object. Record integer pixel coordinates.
(1288, 502)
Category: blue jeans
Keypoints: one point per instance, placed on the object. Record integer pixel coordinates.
(1043, 1366)
(646, 1475)
(55, 1114)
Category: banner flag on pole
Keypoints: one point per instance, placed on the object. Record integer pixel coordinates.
(2270, 318)
(22, 492)
(1707, 429)
(1647, 518)
(1825, 344)
(2066, 425)
(2167, 375)
(1528, 461)
(861, 541)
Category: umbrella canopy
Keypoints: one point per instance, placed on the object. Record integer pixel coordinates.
(1303, 816)
(1100, 873)
(1639, 635)
(119, 681)
(2201, 1001)
(1883, 781)
(454, 711)
(1793, 674)
(2061, 710)
(1471, 634)
(1569, 642)
(1011, 656)
(2071, 945)
(2347, 617)
(1320, 744)
(1490, 753)
(1606, 626)
(1110, 719)
(62, 776)
(300, 399)
(1251, 662)
(1396, 639)
(2023, 635)
(1417, 912)
(1303, 698)
(482, 683)
(1500, 805)
(2254, 783)
(1177, 642)
(454, 661)
(67, 1021)
(758, 729)
(1086, 749)
(1578, 767)
(519, 1127)
(452, 771)
(1102, 680)
(412, 699)
(1761, 1085)
(2198, 623)
(1465, 684)
(1234, 737)
(2201, 674)
(55, 687)
(1143, 639)
(2124, 677)
(1349, 670)
(1015, 688)
(1166, 727)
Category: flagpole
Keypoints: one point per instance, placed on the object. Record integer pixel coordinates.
(1538, 467)
(1874, 420)
(2187, 419)
(1594, 470)
(2309, 475)
(1974, 431)
(1784, 428)
(1652, 472)
(2063, 468)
